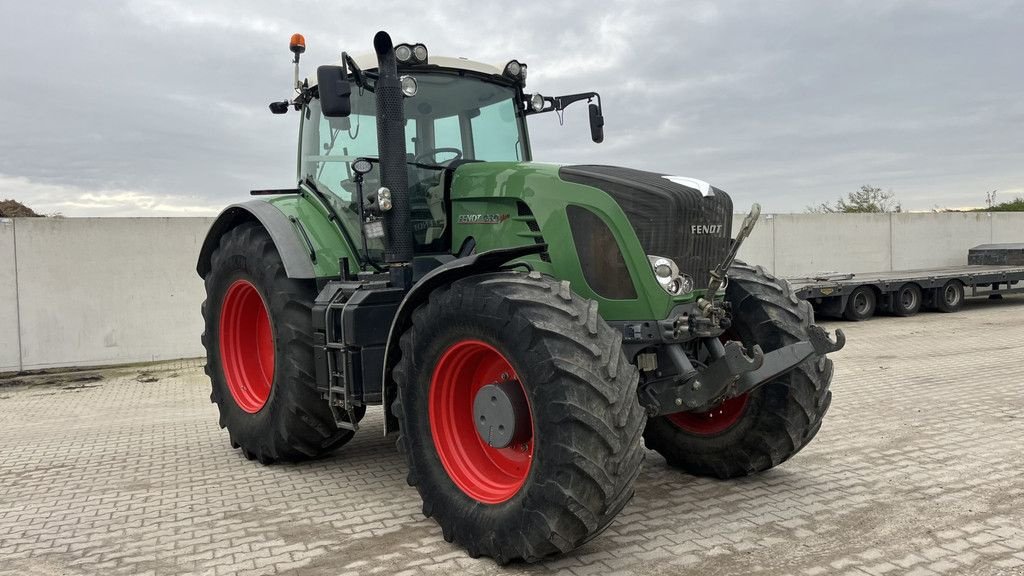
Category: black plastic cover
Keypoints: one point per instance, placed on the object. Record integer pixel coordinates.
(669, 218)
(603, 266)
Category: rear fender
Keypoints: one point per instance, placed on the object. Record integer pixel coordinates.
(298, 254)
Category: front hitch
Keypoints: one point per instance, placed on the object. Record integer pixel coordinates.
(731, 372)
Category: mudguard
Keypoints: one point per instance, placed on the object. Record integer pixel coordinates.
(446, 274)
(297, 256)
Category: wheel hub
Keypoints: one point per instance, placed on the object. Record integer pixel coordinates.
(951, 294)
(488, 463)
(246, 346)
(713, 421)
(861, 303)
(909, 298)
(501, 414)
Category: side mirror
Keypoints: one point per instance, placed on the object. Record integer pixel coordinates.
(596, 124)
(335, 91)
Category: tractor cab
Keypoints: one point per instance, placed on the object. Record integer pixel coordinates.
(455, 111)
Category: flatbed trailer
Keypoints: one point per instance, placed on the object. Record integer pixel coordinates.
(992, 270)
(905, 292)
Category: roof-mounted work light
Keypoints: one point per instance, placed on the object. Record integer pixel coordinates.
(515, 70)
(411, 54)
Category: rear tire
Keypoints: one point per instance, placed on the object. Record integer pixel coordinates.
(907, 300)
(267, 401)
(584, 439)
(770, 424)
(861, 304)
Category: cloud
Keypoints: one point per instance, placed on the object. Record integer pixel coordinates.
(54, 199)
(788, 104)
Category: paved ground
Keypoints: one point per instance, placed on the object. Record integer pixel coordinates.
(917, 470)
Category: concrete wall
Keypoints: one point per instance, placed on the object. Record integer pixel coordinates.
(9, 355)
(93, 291)
(807, 244)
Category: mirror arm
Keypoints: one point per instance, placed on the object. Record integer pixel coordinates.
(559, 103)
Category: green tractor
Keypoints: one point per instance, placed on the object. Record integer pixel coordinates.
(527, 326)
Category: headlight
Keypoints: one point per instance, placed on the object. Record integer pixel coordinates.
(666, 272)
(537, 102)
(409, 86)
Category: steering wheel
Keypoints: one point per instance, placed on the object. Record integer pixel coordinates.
(430, 155)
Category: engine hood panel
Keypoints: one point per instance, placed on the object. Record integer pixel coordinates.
(681, 218)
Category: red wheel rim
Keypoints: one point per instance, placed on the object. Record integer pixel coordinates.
(714, 421)
(484, 473)
(246, 346)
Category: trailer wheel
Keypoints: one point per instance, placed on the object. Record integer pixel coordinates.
(519, 415)
(907, 300)
(770, 424)
(949, 298)
(861, 304)
(259, 350)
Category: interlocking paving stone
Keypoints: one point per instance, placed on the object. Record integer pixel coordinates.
(918, 469)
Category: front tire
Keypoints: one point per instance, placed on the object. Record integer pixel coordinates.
(259, 350)
(578, 447)
(768, 425)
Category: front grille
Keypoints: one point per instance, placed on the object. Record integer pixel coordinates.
(524, 213)
(663, 213)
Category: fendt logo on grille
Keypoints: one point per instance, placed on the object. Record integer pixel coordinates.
(705, 229)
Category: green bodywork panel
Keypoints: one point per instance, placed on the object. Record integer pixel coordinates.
(494, 188)
(330, 245)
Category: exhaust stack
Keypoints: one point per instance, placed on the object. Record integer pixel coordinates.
(391, 145)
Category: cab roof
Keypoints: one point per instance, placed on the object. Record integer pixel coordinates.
(368, 61)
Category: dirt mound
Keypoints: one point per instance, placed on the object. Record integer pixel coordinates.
(15, 209)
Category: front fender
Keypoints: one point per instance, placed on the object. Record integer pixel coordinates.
(297, 254)
(446, 274)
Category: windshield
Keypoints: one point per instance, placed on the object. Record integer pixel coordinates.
(452, 117)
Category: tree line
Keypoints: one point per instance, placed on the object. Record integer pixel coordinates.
(873, 200)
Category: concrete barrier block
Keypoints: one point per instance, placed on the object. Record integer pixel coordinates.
(760, 247)
(111, 290)
(937, 240)
(1007, 227)
(9, 360)
(807, 244)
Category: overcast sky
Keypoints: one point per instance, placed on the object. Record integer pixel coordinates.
(159, 107)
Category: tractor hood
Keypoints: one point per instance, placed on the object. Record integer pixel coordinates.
(680, 218)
